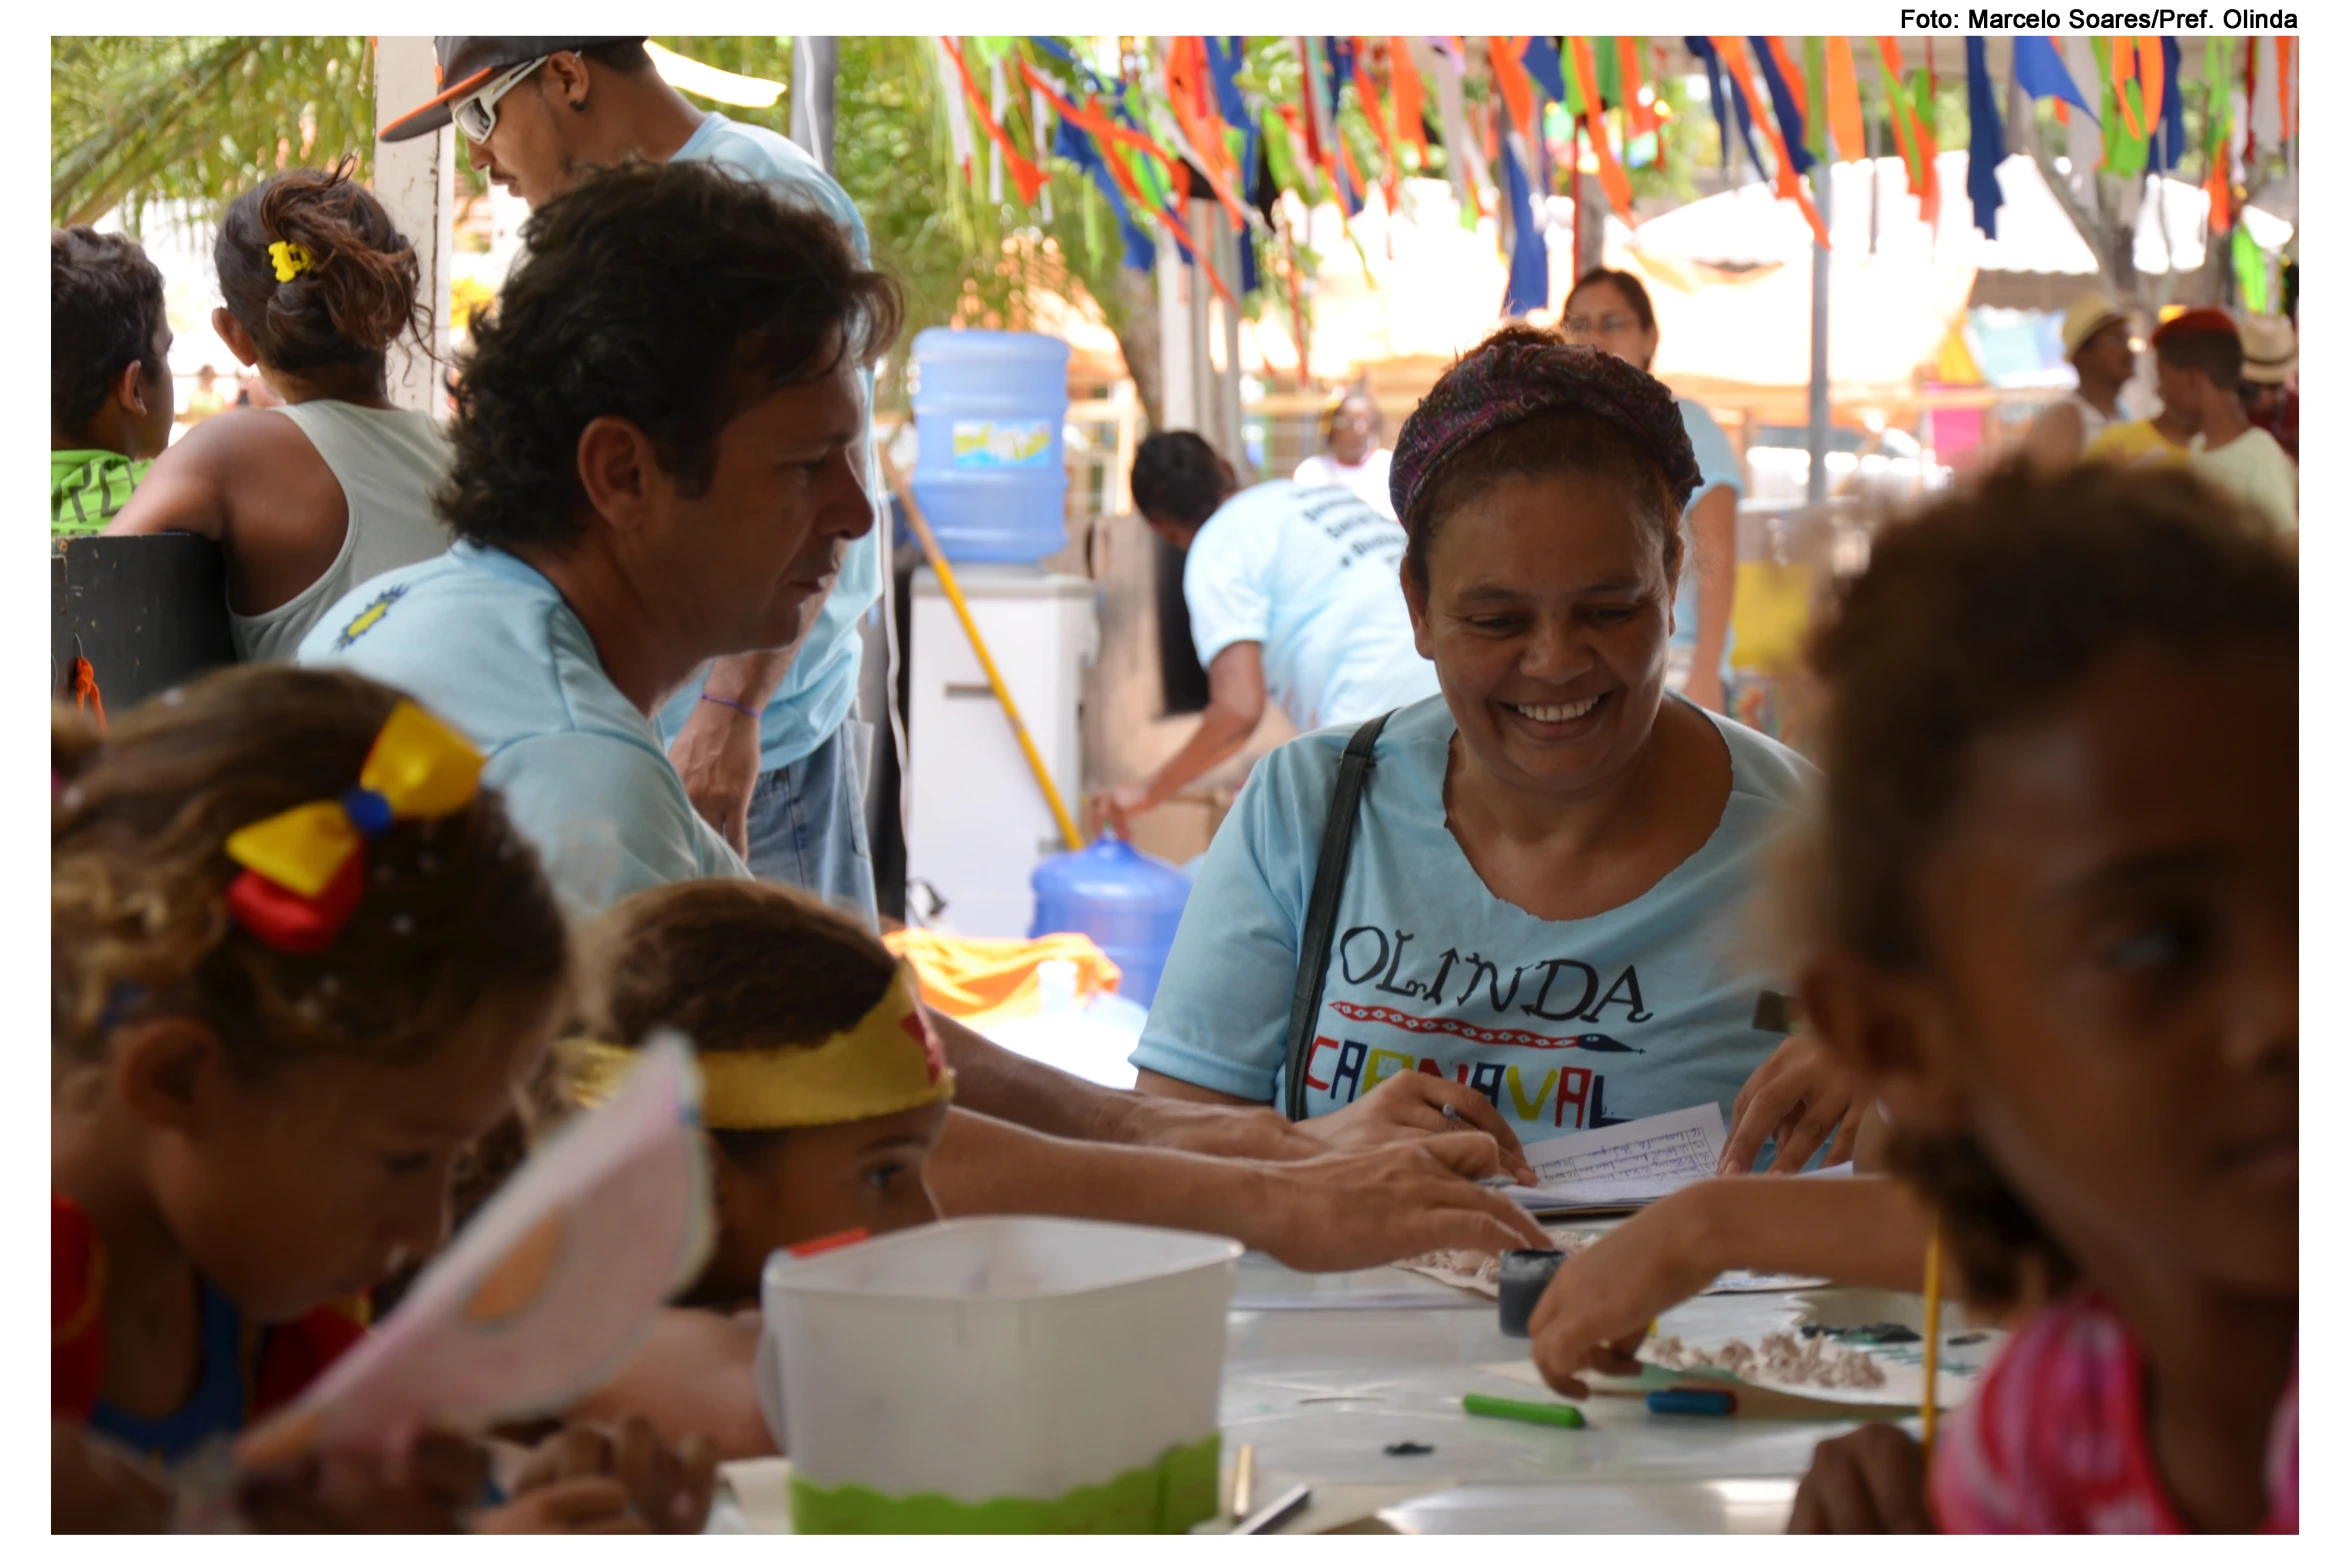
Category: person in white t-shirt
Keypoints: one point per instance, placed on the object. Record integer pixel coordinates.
(1352, 458)
(2097, 346)
(2205, 363)
(1293, 592)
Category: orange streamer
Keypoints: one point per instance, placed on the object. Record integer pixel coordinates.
(1509, 75)
(1640, 117)
(1611, 173)
(1026, 175)
(2125, 56)
(1843, 93)
(1405, 78)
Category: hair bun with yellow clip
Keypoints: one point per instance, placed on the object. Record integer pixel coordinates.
(305, 868)
(291, 259)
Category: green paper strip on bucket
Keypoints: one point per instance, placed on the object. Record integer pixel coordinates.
(1165, 1497)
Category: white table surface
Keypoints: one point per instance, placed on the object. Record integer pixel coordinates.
(1320, 1390)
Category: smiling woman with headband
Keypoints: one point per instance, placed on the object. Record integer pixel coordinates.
(1539, 892)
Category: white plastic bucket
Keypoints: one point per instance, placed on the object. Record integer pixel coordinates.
(1003, 1374)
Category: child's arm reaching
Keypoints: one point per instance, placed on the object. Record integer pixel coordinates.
(1862, 1231)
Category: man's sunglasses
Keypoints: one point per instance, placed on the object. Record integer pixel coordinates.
(477, 114)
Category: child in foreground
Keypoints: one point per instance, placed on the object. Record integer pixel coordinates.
(822, 1087)
(299, 961)
(2054, 926)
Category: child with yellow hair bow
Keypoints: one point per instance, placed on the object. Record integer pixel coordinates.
(300, 960)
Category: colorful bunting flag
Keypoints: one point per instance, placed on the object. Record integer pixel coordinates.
(1787, 101)
(1510, 80)
(1815, 67)
(1410, 113)
(2170, 130)
(1986, 141)
(1611, 173)
(2039, 71)
(1027, 175)
(2218, 131)
(1542, 64)
(1843, 95)
(1529, 278)
(1638, 116)
(1790, 186)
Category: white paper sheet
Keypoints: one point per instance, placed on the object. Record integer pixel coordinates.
(1627, 1165)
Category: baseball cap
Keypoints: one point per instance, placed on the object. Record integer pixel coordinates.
(464, 65)
(2201, 319)
(2089, 315)
(2270, 353)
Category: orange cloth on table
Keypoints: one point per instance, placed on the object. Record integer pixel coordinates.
(980, 980)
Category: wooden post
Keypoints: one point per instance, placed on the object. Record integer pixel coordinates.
(416, 180)
(1178, 398)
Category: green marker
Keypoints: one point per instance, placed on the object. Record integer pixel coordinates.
(1512, 1409)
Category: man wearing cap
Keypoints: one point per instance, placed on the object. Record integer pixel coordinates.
(2097, 345)
(2200, 359)
(2271, 400)
(767, 743)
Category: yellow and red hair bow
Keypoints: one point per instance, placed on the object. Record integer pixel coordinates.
(305, 868)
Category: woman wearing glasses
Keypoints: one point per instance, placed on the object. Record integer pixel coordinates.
(315, 494)
(1610, 311)
(1351, 457)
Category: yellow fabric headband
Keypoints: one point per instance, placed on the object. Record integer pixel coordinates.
(889, 1061)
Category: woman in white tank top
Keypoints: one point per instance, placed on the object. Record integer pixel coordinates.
(313, 498)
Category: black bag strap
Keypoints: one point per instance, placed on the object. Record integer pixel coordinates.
(1313, 951)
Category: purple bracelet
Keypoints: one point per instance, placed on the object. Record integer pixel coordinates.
(747, 712)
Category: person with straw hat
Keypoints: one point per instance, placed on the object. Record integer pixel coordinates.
(2097, 346)
(2272, 368)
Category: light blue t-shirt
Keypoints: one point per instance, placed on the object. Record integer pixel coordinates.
(821, 686)
(1565, 1025)
(1717, 467)
(482, 639)
(1311, 575)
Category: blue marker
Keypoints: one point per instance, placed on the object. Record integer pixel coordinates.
(1691, 1401)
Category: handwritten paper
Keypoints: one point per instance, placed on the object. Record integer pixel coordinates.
(546, 1292)
(1625, 1166)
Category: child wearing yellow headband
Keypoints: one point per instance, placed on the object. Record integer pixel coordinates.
(822, 1087)
(299, 962)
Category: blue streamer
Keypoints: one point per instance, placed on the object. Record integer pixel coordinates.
(1986, 143)
(1529, 282)
(1783, 104)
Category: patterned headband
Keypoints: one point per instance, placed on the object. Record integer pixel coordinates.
(1513, 379)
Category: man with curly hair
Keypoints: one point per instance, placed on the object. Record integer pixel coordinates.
(768, 742)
